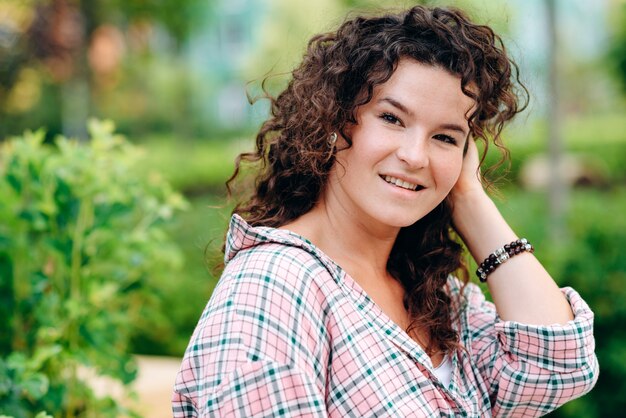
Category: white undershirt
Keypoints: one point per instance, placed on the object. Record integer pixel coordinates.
(444, 371)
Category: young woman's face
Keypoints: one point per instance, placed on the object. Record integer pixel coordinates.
(407, 148)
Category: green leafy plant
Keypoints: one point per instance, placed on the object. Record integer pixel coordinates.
(82, 242)
(591, 261)
(594, 265)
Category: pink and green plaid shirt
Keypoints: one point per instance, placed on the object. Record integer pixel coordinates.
(288, 333)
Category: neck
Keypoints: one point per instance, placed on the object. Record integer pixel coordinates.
(360, 249)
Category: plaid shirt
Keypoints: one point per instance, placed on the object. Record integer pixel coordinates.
(288, 332)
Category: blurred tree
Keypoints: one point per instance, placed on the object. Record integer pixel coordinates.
(557, 193)
(284, 36)
(45, 51)
(617, 52)
(292, 23)
(178, 17)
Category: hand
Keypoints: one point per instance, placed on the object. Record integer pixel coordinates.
(521, 288)
(469, 180)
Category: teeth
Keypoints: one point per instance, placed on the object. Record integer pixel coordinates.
(401, 183)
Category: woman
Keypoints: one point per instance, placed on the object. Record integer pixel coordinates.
(339, 296)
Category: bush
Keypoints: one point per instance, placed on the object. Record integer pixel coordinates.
(199, 232)
(82, 242)
(590, 260)
(594, 265)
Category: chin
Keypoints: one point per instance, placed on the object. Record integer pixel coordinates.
(400, 221)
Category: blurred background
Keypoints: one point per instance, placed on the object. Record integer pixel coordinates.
(110, 241)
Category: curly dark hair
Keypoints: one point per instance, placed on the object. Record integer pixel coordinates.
(338, 73)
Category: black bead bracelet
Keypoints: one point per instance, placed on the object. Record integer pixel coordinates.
(502, 254)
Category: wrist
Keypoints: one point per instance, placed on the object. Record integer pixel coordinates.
(468, 201)
(480, 225)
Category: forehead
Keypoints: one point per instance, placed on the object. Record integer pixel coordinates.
(421, 86)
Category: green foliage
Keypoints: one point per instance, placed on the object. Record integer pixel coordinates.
(178, 17)
(194, 167)
(591, 262)
(598, 137)
(617, 51)
(82, 242)
(199, 231)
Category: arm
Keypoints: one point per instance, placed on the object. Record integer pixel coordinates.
(530, 370)
(537, 351)
(259, 347)
(521, 288)
(256, 388)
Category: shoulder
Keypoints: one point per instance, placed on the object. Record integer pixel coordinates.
(270, 307)
(280, 272)
(273, 278)
(278, 259)
(465, 296)
(272, 288)
(270, 304)
(473, 314)
(274, 251)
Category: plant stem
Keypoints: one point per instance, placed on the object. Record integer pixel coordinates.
(84, 221)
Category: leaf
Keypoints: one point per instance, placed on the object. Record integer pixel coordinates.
(35, 139)
(43, 354)
(5, 379)
(17, 362)
(83, 236)
(36, 386)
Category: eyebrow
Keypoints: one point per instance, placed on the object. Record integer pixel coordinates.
(454, 127)
(403, 108)
(396, 104)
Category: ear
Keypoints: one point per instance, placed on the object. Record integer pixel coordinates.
(345, 137)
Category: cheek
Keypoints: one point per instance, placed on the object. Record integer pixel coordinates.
(449, 170)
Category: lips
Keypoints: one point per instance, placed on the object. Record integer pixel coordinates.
(402, 183)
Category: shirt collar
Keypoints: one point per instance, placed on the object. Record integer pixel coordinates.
(242, 236)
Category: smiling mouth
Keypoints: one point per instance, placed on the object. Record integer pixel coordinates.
(401, 183)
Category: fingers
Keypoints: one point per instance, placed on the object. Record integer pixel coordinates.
(471, 160)
(469, 178)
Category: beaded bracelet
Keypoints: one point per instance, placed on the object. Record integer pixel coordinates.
(502, 254)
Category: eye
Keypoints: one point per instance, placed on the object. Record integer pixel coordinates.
(445, 138)
(391, 118)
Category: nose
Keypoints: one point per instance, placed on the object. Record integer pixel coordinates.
(413, 151)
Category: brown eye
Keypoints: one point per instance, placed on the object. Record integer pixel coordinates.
(390, 118)
(445, 138)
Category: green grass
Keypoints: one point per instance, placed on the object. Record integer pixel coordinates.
(587, 209)
(577, 131)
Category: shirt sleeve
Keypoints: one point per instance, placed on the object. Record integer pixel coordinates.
(260, 388)
(530, 370)
(261, 344)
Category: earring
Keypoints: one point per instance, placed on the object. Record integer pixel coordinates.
(332, 139)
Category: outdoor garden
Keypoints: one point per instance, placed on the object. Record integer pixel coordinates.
(120, 122)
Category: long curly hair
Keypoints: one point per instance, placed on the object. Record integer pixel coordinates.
(338, 73)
